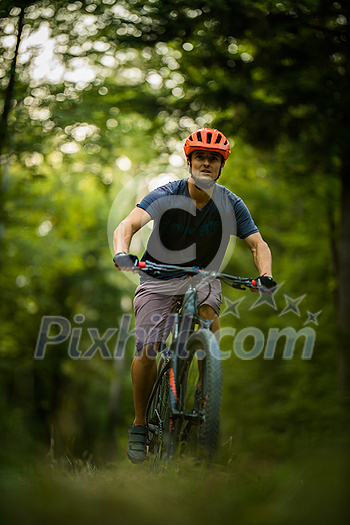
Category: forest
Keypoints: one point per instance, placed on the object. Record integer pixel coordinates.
(97, 98)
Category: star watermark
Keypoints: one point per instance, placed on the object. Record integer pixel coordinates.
(292, 305)
(232, 307)
(267, 299)
(312, 318)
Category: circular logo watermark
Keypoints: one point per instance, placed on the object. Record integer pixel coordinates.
(158, 204)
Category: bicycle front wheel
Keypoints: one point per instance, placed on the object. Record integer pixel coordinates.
(200, 386)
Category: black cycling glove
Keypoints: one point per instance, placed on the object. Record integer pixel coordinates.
(125, 260)
(266, 283)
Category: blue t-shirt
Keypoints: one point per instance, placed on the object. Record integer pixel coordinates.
(185, 235)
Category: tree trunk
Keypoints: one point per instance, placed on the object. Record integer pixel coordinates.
(4, 122)
(344, 288)
(10, 87)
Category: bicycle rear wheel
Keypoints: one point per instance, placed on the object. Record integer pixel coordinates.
(159, 416)
(200, 386)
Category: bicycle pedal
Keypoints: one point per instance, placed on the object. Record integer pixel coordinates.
(153, 428)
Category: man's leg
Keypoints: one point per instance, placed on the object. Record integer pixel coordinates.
(207, 312)
(143, 376)
(152, 323)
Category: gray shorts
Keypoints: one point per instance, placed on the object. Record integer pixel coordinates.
(155, 301)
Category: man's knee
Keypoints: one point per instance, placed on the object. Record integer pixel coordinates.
(148, 352)
(207, 312)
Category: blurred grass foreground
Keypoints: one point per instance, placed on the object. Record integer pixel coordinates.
(312, 487)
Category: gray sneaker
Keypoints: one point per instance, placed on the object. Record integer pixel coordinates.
(137, 444)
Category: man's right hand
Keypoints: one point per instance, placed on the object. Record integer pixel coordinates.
(125, 261)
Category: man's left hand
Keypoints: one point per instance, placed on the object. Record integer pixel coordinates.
(264, 284)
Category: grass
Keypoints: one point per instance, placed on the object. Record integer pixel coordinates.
(311, 487)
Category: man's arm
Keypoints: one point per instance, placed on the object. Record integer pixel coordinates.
(261, 254)
(127, 228)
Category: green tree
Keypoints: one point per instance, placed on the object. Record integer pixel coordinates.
(276, 74)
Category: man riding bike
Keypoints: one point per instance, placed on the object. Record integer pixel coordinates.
(193, 221)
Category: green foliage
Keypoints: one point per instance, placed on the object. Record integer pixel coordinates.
(271, 76)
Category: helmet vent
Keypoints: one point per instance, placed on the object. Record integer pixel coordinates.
(199, 136)
(209, 135)
(190, 138)
(218, 139)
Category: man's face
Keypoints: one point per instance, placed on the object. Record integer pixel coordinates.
(205, 167)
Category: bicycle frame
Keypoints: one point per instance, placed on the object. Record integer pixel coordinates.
(182, 327)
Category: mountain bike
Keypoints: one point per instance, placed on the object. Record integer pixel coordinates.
(183, 411)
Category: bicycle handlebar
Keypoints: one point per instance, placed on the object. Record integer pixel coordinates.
(160, 270)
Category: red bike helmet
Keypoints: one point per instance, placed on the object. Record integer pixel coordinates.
(207, 139)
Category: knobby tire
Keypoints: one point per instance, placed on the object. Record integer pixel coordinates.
(202, 365)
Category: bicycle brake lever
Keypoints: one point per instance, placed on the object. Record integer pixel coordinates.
(237, 286)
